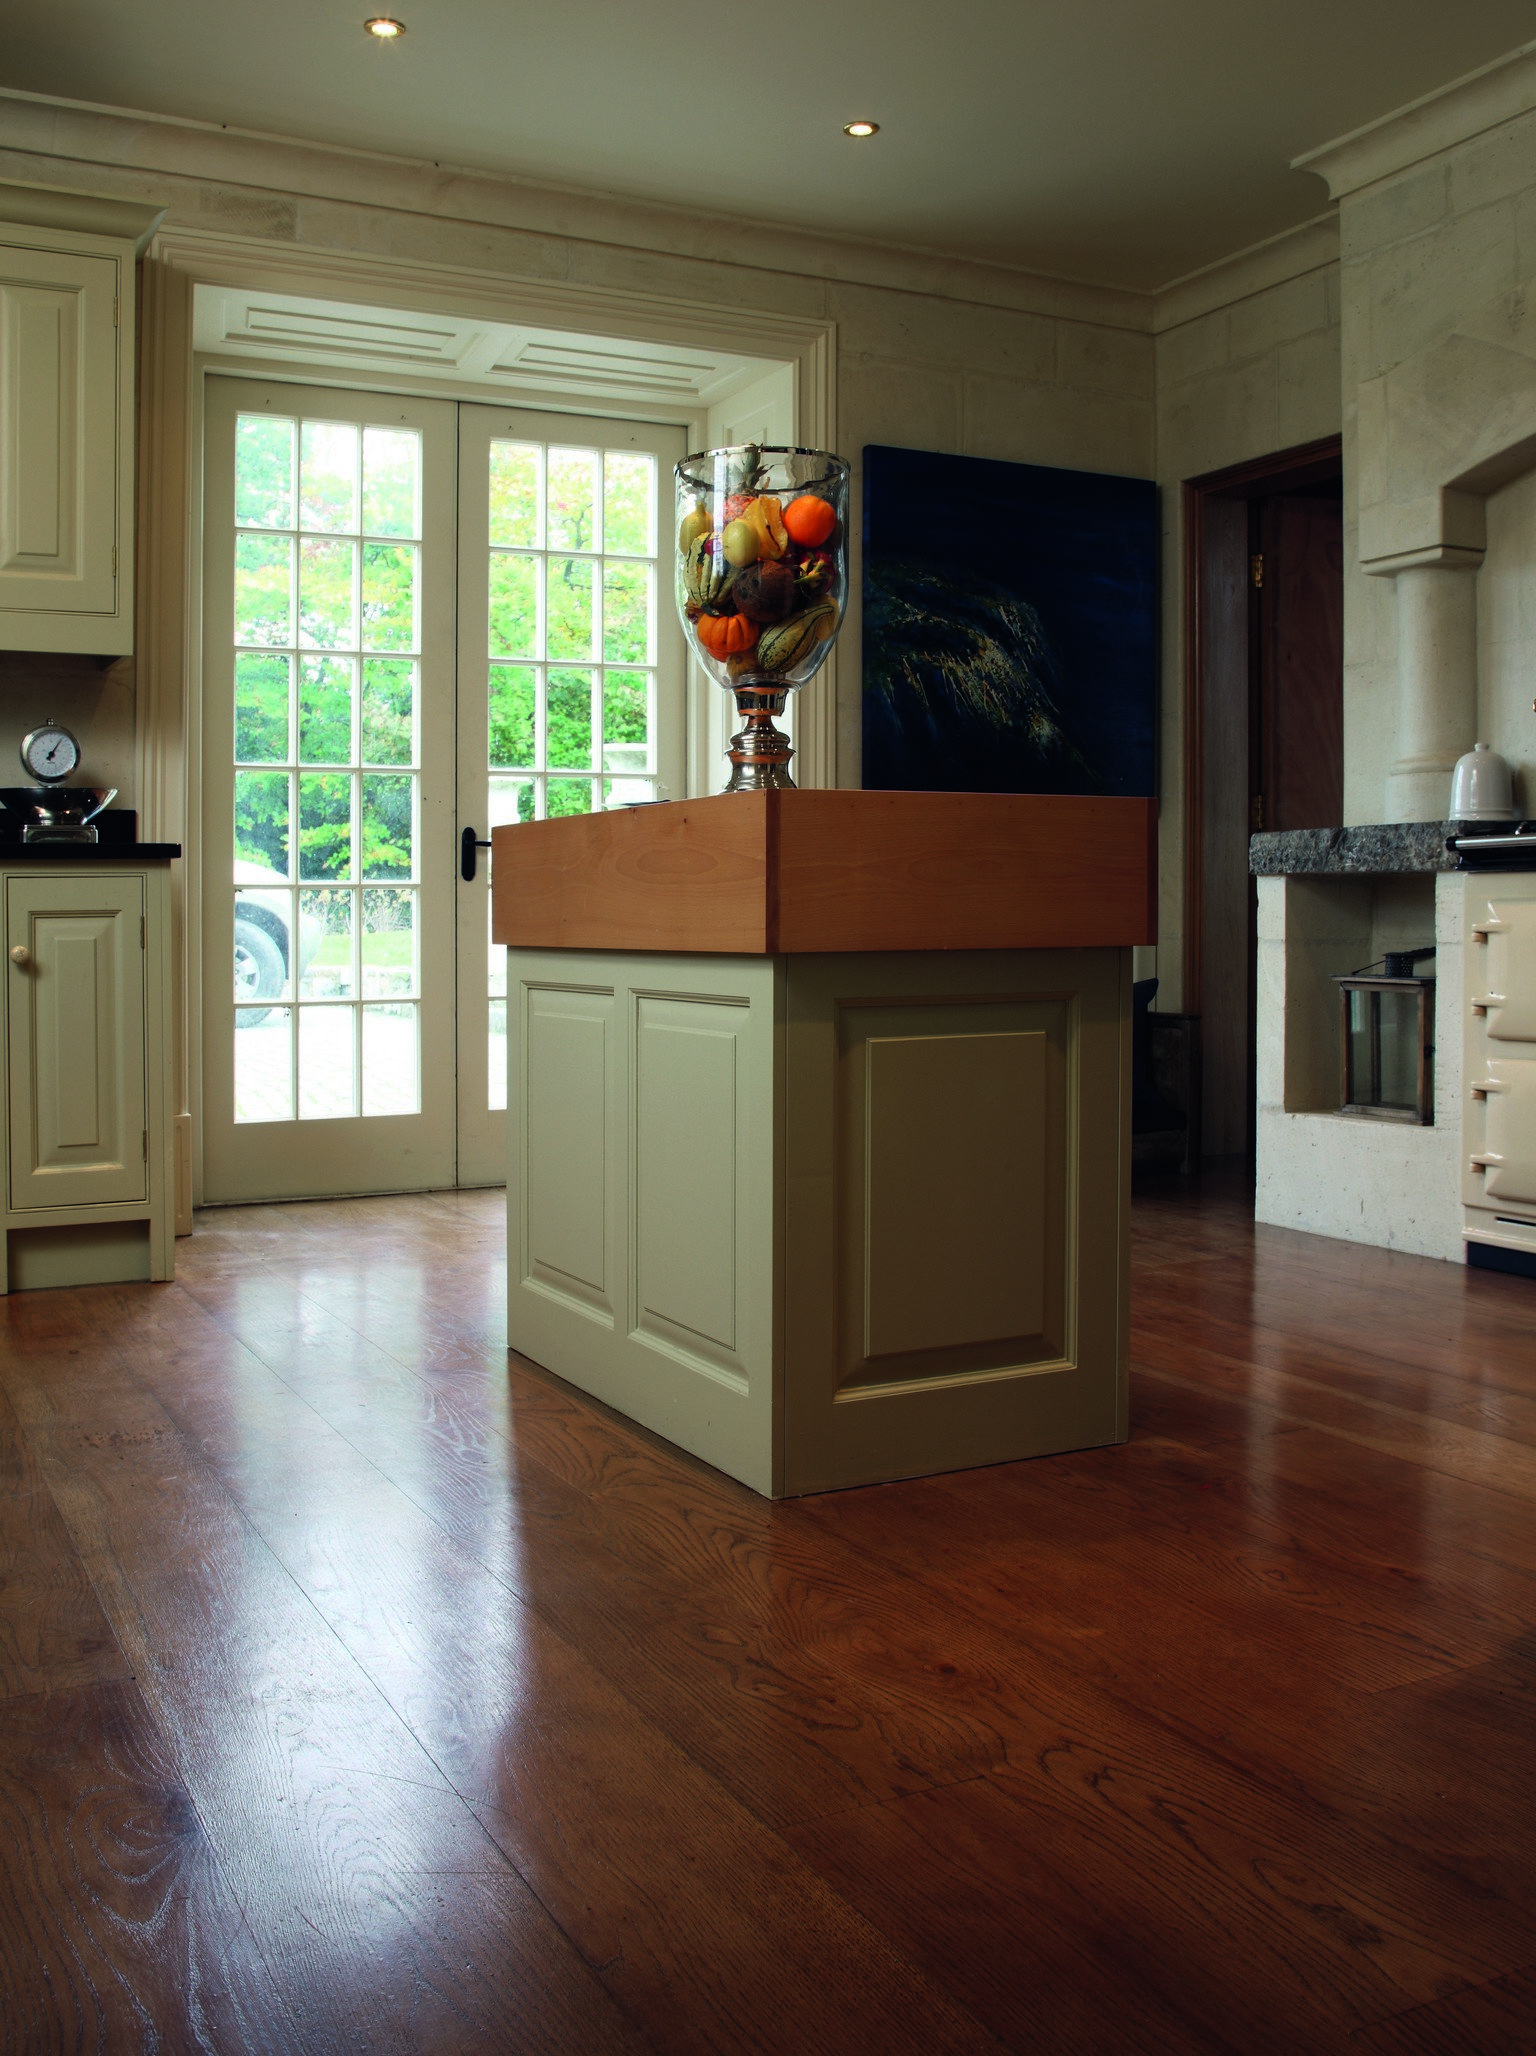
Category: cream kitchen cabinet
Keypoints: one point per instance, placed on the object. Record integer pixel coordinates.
(66, 419)
(89, 1193)
(1499, 1167)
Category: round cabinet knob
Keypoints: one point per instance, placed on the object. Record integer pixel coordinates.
(21, 955)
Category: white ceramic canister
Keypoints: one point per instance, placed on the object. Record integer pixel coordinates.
(1482, 787)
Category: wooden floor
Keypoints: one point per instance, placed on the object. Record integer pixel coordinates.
(358, 1696)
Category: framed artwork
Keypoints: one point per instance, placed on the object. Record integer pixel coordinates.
(1010, 627)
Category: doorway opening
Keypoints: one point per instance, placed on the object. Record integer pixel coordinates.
(429, 608)
(1264, 731)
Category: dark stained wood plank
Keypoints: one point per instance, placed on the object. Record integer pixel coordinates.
(1218, 1740)
(657, 1875)
(769, 1667)
(1038, 1921)
(118, 1929)
(332, 1823)
(1497, 2019)
(53, 1633)
(431, 1961)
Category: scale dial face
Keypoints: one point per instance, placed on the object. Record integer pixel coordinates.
(50, 753)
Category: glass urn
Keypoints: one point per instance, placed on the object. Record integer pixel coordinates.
(762, 582)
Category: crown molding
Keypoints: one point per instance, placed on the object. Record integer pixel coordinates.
(127, 144)
(86, 214)
(1484, 99)
(1310, 246)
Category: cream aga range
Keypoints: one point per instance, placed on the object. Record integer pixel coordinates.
(1499, 1131)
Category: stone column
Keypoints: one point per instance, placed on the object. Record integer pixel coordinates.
(1436, 681)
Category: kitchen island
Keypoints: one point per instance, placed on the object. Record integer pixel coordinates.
(819, 1121)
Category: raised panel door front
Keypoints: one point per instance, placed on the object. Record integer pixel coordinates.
(955, 1150)
(687, 1171)
(1510, 998)
(75, 1011)
(1508, 1156)
(58, 432)
(957, 1183)
(565, 1167)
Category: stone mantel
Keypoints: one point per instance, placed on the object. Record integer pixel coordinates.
(1385, 849)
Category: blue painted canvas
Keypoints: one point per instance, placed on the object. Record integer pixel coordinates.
(1010, 624)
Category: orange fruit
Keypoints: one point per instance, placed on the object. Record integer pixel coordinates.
(809, 520)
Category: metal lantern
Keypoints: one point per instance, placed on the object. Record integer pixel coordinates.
(1387, 1048)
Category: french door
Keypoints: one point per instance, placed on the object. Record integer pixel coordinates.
(421, 619)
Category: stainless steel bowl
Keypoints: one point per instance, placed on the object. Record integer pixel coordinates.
(61, 812)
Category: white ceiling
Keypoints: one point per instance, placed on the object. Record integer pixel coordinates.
(1129, 141)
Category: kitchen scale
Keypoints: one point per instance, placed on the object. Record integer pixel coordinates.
(52, 811)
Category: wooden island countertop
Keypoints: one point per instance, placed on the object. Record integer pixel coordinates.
(818, 872)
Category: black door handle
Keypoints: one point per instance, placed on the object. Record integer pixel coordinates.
(469, 842)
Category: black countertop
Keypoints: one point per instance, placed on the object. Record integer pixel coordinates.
(90, 852)
(117, 831)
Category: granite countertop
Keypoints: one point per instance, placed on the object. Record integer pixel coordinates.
(1383, 847)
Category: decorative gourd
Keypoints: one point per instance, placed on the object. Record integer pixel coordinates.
(783, 646)
(724, 635)
(705, 577)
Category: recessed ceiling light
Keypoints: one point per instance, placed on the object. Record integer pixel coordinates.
(385, 28)
(861, 128)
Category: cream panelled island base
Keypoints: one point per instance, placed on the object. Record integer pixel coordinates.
(90, 1190)
(819, 1110)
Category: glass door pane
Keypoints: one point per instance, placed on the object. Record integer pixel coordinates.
(571, 670)
(329, 756)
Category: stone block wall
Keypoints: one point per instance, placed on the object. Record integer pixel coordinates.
(1437, 225)
(1248, 364)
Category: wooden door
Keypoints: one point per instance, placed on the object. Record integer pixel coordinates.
(1264, 684)
(1298, 735)
(75, 1014)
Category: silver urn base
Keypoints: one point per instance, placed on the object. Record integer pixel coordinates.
(759, 753)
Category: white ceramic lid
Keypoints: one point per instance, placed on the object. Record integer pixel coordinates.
(1482, 787)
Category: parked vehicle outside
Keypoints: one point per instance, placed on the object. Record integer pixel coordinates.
(263, 942)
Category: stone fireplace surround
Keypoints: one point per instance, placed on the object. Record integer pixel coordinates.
(1437, 219)
(1330, 902)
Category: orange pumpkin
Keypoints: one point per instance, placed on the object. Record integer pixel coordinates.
(725, 635)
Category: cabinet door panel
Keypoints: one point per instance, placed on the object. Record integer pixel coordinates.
(76, 1019)
(58, 436)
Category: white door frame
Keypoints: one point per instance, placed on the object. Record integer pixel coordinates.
(168, 740)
